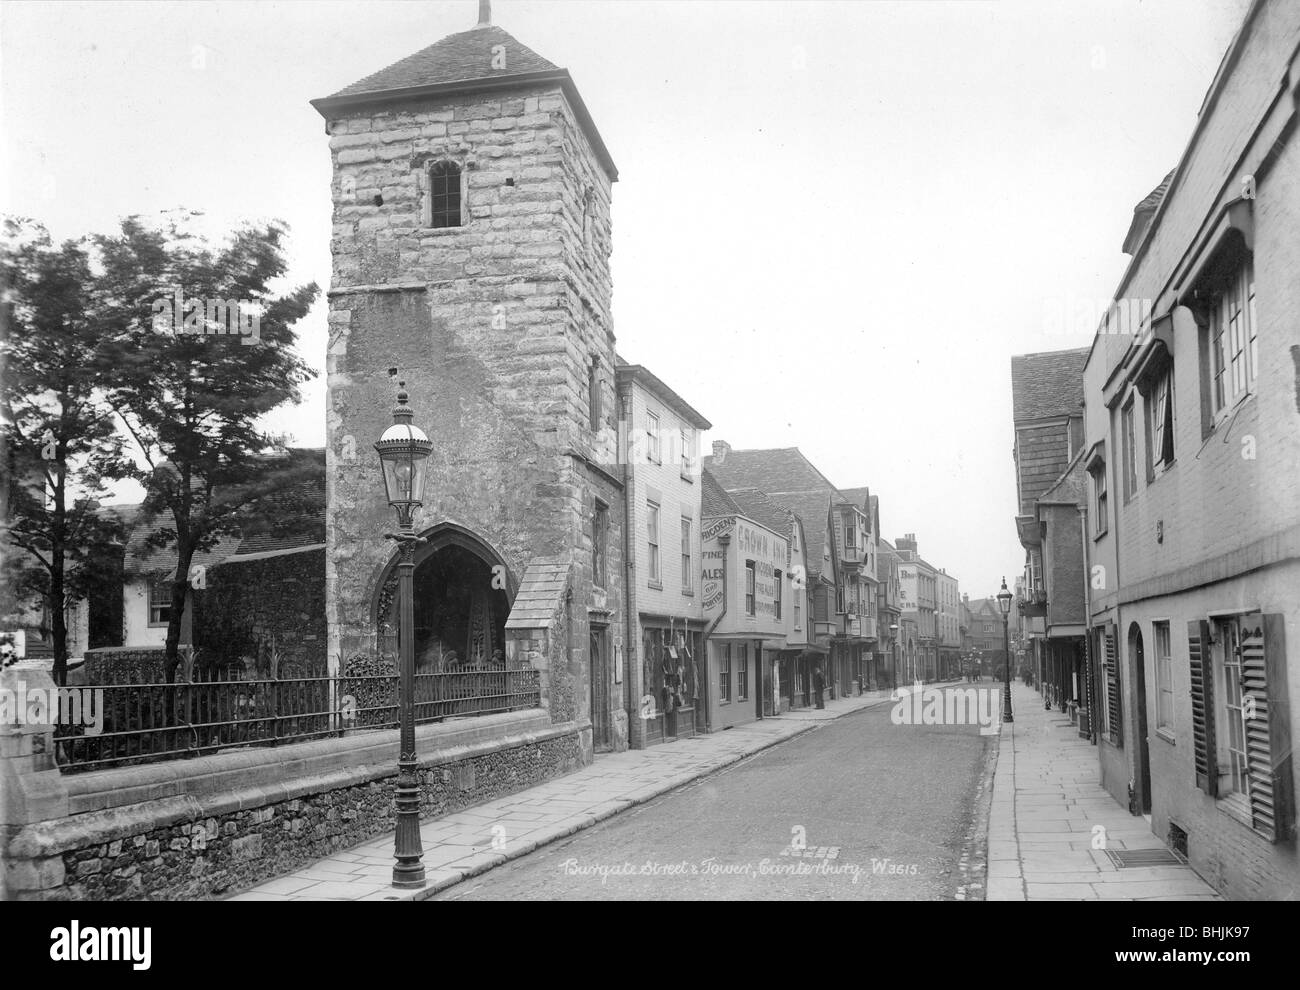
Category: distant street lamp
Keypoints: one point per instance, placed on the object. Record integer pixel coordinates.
(893, 628)
(403, 449)
(1004, 603)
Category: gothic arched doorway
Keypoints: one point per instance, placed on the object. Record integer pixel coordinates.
(462, 598)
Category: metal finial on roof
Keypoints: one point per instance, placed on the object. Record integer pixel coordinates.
(484, 12)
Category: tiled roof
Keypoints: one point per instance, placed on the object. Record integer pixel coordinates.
(296, 504)
(812, 508)
(714, 500)
(861, 497)
(759, 507)
(1154, 197)
(1047, 384)
(540, 593)
(158, 561)
(1143, 213)
(788, 479)
(462, 57)
(771, 471)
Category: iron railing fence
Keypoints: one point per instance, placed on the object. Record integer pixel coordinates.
(148, 723)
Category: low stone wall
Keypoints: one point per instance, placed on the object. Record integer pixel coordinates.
(202, 836)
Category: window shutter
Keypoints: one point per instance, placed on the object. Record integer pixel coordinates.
(1204, 757)
(821, 612)
(1268, 733)
(1114, 702)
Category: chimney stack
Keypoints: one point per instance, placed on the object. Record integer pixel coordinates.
(484, 13)
(720, 450)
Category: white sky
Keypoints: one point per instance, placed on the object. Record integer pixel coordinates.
(834, 225)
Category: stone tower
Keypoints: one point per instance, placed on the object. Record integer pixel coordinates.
(471, 247)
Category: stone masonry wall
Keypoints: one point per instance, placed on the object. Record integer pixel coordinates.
(147, 857)
(495, 326)
(249, 605)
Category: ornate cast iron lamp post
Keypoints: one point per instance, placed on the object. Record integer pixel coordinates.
(403, 449)
(1004, 603)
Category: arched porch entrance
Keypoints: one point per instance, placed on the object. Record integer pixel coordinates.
(462, 596)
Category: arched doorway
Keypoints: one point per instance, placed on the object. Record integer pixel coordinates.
(463, 592)
(1142, 771)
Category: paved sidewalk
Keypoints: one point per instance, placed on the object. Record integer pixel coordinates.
(1048, 811)
(460, 845)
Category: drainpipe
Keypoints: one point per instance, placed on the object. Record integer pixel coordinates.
(724, 540)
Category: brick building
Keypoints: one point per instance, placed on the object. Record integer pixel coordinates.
(471, 253)
(1193, 498)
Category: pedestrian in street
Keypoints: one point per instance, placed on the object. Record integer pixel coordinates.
(819, 685)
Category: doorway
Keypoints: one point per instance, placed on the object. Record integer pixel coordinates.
(1142, 772)
(600, 692)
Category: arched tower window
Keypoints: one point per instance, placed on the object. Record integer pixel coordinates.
(444, 195)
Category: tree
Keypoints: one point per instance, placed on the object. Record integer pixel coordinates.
(190, 393)
(59, 440)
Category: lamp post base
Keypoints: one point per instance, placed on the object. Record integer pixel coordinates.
(408, 870)
(1006, 704)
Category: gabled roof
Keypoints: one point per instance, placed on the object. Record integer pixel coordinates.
(1047, 384)
(714, 501)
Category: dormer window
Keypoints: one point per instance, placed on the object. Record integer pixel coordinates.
(444, 195)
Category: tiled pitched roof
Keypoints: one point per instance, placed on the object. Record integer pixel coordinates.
(812, 508)
(462, 57)
(1047, 384)
(308, 497)
(713, 498)
(771, 471)
(788, 479)
(540, 592)
(759, 507)
(160, 561)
